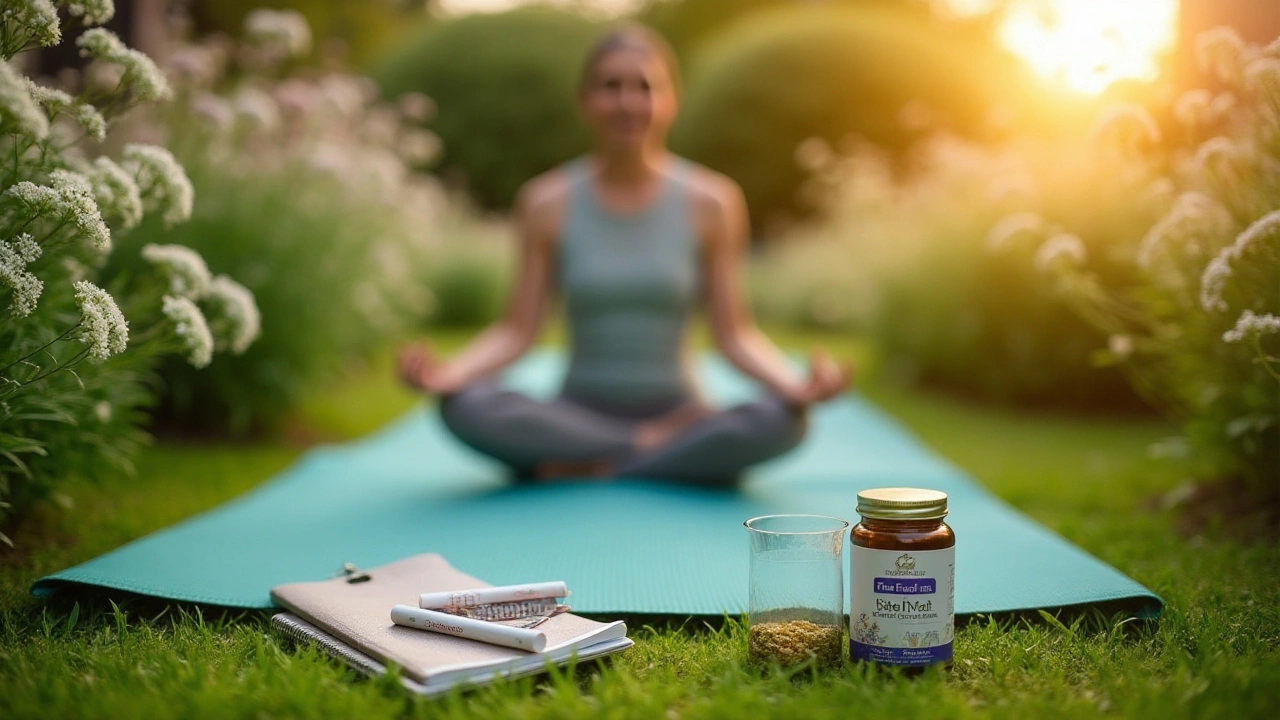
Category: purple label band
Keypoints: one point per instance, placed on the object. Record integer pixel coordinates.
(908, 586)
(900, 656)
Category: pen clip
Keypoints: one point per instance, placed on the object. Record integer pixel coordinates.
(354, 574)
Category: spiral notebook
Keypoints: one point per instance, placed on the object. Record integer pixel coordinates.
(350, 617)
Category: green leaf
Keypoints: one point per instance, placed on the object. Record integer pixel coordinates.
(73, 618)
(1054, 621)
(17, 463)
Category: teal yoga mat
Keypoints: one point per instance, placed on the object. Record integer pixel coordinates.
(623, 547)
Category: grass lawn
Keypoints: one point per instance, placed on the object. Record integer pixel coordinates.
(1214, 654)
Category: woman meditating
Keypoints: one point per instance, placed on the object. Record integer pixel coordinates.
(633, 239)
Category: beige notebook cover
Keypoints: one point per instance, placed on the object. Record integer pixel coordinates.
(359, 614)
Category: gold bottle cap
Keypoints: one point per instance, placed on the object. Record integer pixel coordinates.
(902, 504)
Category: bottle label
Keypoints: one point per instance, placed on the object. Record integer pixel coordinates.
(902, 605)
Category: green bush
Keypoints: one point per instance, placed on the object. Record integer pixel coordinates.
(1198, 329)
(779, 77)
(308, 256)
(685, 24)
(305, 197)
(506, 86)
(468, 290)
(908, 259)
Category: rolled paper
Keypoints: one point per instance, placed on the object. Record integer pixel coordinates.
(456, 599)
(478, 630)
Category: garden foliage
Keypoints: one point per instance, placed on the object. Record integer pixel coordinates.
(507, 85)
(77, 346)
(1198, 329)
(308, 198)
(904, 255)
(841, 73)
(686, 24)
(364, 28)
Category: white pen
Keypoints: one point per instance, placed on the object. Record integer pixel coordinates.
(455, 599)
(479, 630)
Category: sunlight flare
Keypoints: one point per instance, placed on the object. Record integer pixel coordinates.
(1086, 44)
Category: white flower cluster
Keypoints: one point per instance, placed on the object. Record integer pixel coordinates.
(1216, 275)
(187, 272)
(105, 330)
(140, 74)
(69, 196)
(1193, 215)
(1224, 163)
(163, 182)
(40, 16)
(14, 258)
(416, 107)
(1127, 127)
(256, 109)
(93, 12)
(419, 147)
(1012, 229)
(18, 107)
(192, 329)
(79, 205)
(1251, 325)
(237, 321)
(1120, 346)
(39, 198)
(55, 101)
(1063, 248)
(1198, 108)
(1219, 52)
(1192, 107)
(286, 29)
(116, 192)
(214, 112)
(1262, 77)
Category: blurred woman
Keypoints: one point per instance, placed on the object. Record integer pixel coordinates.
(634, 239)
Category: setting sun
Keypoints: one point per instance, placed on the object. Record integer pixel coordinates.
(1089, 44)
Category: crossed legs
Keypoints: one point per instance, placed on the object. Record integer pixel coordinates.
(709, 448)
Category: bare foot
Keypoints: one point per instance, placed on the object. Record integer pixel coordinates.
(655, 433)
(566, 469)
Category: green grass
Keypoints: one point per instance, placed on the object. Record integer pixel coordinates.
(1212, 655)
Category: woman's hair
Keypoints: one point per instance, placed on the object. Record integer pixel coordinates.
(630, 36)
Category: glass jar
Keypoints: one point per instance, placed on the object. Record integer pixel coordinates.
(796, 607)
(902, 579)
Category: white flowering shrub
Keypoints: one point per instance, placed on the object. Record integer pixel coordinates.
(1198, 330)
(906, 254)
(307, 199)
(78, 345)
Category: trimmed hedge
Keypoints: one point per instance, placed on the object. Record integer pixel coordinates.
(506, 87)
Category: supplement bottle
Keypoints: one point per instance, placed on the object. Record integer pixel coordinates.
(902, 579)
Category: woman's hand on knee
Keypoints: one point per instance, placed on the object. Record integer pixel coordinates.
(419, 368)
(827, 379)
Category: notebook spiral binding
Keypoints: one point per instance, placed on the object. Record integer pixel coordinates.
(295, 628)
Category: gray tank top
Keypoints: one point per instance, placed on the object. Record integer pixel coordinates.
(630, 283)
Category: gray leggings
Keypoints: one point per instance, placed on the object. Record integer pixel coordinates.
(522, 433)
